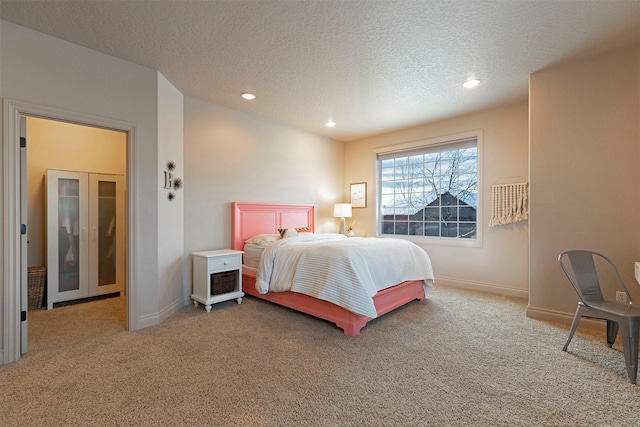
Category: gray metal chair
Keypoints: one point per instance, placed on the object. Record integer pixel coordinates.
(585, 279)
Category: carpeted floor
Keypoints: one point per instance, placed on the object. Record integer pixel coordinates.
(461, 358)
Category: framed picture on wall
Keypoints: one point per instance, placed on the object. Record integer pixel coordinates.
(359, 195)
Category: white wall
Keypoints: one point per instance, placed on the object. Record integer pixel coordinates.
(501, 264)
(45, 71)
(232, 156)
(585, 184)
(172, 292)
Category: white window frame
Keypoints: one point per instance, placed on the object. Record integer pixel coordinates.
(443, 141)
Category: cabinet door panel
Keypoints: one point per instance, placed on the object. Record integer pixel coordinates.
(67, 222)
(107, 233)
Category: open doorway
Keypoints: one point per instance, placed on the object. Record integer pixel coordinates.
(15, 304)
(57, 147)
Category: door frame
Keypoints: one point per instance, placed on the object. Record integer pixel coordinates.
(12, 185)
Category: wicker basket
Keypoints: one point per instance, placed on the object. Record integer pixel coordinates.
(36, 279)
(222, 283)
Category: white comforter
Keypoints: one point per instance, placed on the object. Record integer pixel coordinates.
(344, 271)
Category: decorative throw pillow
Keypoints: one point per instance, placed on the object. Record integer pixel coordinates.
(287, 232)
(303, 229)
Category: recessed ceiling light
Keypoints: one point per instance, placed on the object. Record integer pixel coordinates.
(330, 124)
(471, 83)
(248, 95)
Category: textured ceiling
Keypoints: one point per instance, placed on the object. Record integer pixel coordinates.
(372, 66)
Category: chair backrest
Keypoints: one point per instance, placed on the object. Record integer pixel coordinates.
(584, 276)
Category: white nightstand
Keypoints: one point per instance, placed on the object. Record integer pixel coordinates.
(217, 277)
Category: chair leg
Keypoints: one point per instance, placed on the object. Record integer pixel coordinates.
(630, 333)
(574, 326)
(612, 332)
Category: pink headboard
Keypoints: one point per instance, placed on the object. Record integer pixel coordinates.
(249, 219)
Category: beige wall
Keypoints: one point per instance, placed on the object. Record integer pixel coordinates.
(59, 145)
(584, 156)
(232, 156)
(501, 264)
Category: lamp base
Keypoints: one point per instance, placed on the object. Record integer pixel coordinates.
(343, 226)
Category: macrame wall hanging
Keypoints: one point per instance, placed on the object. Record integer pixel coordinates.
(509, 203)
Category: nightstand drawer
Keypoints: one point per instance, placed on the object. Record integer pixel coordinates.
(223, 263)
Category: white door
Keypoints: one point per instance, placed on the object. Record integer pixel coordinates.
(24, 294)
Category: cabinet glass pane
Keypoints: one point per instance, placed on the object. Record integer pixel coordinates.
(68, 235)
(106, 233)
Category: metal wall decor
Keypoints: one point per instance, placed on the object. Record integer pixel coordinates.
(171, 183)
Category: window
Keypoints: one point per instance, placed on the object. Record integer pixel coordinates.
(430, 189)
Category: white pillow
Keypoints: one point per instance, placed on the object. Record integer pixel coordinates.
(262, 239)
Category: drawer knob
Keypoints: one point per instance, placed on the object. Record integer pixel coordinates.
(226, 263)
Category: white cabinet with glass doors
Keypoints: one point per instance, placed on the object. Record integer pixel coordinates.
(85, 235)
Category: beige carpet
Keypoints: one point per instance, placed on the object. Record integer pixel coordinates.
(460, 358)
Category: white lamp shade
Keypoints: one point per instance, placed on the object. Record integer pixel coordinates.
(342, 210)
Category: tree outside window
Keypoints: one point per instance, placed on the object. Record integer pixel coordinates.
(430, 191)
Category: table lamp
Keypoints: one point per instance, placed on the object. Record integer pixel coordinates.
(342, 211)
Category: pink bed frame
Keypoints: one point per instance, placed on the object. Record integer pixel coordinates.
(249, 219)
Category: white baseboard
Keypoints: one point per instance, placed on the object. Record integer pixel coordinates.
(536, 313)
(546, 315)
(484, 287)
(159, 317)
